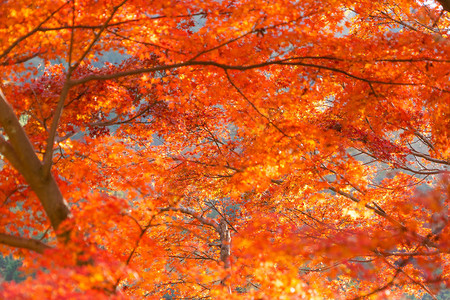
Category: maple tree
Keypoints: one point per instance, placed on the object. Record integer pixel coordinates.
(237, 149)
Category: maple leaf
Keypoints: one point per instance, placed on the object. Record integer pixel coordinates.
(225, 149)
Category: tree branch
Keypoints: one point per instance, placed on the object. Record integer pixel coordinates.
(429, 158)
(48, 156)
(194, 214)
(424, 240)
(97, 36)
(445, 4)
(8, 152)
(17, 41)
(284, 62)
(18, 140)
(24, 243)
(416, 253)
(253, 105)
(21, 152)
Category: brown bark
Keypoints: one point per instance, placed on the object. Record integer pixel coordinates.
(445, 4)
(19, 151)
(225, 243)
(20, 242)
(225, 249)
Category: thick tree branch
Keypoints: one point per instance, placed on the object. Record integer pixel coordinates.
(24, 243)
(225, 249)
(284, 62)
(8, 152)
(18, 139)
(445, 4)
(21, 152)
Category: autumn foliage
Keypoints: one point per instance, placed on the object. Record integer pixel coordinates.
(225, 149)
